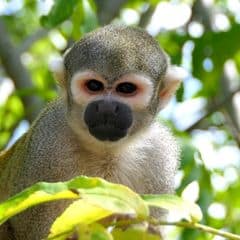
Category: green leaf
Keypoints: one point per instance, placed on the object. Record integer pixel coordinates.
(84, 18)
(180, 93)
(38, 193)
(187, 210)
(60, 11)
(112, 197)
(135, 232)
(93, 231)
(90, 21)
(209, 46)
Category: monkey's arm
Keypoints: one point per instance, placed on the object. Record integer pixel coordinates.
(8, 166)
(5, 155)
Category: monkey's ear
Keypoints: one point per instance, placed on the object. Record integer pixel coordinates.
(58, 69)
(170, 84)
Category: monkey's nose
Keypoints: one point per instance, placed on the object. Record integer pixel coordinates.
(108, 119)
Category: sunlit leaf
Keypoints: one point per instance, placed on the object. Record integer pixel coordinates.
(114, 197)
(84, 231)
(38, 193)
(187, 210)
(79, 212)
(109, 196)
(94, 232)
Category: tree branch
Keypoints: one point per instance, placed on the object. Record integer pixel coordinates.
(14, 68)
(146, 17)
(213, 109)
(108, 9)
(228, 84)
(28, 42)
(232, 127)
(201, 13)
(203, 228)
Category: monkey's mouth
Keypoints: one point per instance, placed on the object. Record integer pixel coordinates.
(107, 132)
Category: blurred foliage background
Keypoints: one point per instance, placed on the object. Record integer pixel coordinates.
(201, 36)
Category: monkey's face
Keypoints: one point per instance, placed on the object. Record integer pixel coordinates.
(110, 110)
(115, 82)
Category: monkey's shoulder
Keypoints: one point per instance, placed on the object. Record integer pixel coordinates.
(4, 157)
(159, 136)
(165, 147)
(160, 151)
(46, 133)
(54, 115)
(7, 154)
(50, 123)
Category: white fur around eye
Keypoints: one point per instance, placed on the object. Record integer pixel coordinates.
(80, 95)
(138, 101)
(143, 96)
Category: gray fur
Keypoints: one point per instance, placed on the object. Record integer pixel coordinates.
(58, 146)
(115, 50)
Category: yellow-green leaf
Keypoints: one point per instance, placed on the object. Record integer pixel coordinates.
(38, 193)
(79, 212)
(93, 231)
(112, 197)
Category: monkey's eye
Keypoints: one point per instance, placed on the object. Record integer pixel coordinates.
(94, 85)
(126, 88)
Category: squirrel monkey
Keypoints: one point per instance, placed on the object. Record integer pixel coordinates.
(115, 80)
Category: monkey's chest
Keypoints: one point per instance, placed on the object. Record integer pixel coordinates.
(117, 170)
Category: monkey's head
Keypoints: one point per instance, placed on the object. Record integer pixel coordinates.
(116, 80)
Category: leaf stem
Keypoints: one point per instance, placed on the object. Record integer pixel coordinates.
(200, 227)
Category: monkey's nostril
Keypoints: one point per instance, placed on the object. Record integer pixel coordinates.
(116, 109)
(105, 120)
(97, 108)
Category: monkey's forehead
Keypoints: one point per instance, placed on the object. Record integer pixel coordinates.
(114, 50)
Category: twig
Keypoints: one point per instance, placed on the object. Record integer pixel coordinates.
(201, 227)
(232, 127)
